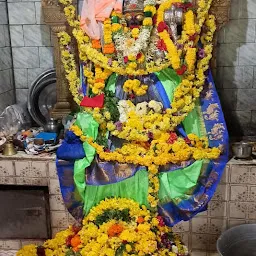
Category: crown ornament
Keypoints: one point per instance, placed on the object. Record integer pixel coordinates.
(133, 6)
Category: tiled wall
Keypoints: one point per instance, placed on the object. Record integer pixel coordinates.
(234, 203)
(6, 76)
(31, 44)
(37, 171)
(236, 79)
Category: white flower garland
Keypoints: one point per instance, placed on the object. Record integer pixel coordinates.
(139, 45)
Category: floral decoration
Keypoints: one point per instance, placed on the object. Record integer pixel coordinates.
(116, 226)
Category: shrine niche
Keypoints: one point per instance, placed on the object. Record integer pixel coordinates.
(55, 18)
(149, 143)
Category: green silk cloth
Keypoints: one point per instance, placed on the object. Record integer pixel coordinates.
(175, 185)
(90, 128)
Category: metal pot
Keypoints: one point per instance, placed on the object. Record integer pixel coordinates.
(238, 241)
(51, 126)
(242, 149)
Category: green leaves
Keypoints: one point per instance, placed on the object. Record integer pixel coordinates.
(110, 214)
(110, 104)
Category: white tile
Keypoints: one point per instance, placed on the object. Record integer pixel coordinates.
(56, 203)
(217, 208)
(5, 60)
(7, 35)
(200, 225)
(235, 9)
(21, 95)
(182, 226)
(7, 180)
(22, 13)
(238, 77)
(21, 78)
(22, 168)
(248, 8)
(54, 187)
(238, 210)
(39, 13)
(6, 169)
(240, 31)
(227, 54)
(6, 99)
(12, 244)
(2, 37)
(52, 170)
(17, 35)
(46, 57)
(59, 219)
(37, 35)
(221, 193)
(25, 57)
(3, 13)
(199, 242)
(247, 54)
(32, 181)
(38, 169)
(8, 252)
(5, 80)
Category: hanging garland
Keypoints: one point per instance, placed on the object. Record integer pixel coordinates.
(191, 85)
(158, 151)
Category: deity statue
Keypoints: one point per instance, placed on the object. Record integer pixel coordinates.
(156, 71)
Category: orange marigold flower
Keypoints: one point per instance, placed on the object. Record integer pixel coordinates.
(96, 44)
(115, 230)
(108, 49)
(140, 220)
(75, 241)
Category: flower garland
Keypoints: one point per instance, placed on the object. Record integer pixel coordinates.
(163, 33)
(88, 52)
(131, 47)
(165, 147)
(116, 226)
(109, 47)
(135, 86)
(168, 148)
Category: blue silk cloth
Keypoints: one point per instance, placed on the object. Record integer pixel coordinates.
(218, 136)
(102, 173)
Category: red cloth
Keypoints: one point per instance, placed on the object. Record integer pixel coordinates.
(94, 102)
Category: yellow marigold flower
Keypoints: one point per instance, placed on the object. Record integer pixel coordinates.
(116, 27)
(128, 248)
(131, 57)
(135, 32)
(147, 21)
(28, 250)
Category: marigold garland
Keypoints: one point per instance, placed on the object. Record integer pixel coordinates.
(135, 86)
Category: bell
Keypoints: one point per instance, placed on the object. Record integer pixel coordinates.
(9, 149)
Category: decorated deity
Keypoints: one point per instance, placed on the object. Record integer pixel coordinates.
(151, 128)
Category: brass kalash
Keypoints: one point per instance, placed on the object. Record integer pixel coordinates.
(9, 149)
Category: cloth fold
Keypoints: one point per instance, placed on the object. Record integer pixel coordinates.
(95, 12)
